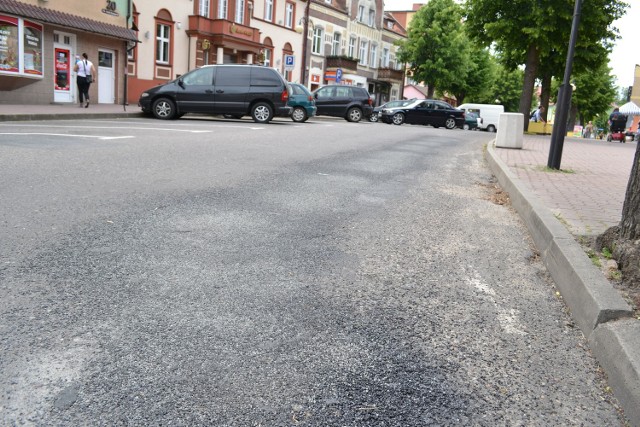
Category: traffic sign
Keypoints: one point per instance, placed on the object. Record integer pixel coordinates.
(289, 62)
(338, 75)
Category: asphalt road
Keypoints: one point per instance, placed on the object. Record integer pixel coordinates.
(223, 273)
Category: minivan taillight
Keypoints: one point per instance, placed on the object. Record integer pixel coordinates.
(285, 95)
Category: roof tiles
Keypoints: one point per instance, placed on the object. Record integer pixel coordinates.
(51, 16)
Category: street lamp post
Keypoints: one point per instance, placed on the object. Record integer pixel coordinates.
(305, 35)
(564, 97)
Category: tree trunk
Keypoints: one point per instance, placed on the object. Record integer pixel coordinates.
(430, 91)
(530, 72)
(630, 223)
(624, 239)
(545, 94)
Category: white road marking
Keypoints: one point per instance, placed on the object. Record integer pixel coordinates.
(133, 127)
(112, 127)
(67, 135)
(508, 318)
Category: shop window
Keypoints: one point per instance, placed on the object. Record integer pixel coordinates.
(240, 11)
(316, 45)
(289, 15)
(20, 55)
(223, 6)
(204, 8)
(268, 10)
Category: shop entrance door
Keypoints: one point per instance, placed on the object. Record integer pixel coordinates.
(64, 84)
(106, 77)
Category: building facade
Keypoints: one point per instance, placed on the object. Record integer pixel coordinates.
(179, 36)
(354, 42)
(39, 42)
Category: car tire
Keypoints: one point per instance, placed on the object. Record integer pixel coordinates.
(164, 109)
(450, 123)
(373, 118)
(397, 119)
(491, 128)
(262, 112)
(465, 126)
(354, 114)
(299, 115)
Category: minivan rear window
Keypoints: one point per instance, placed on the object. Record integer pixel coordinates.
(232, 76)
(264, 77)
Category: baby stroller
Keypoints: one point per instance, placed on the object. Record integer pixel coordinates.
(618, 125)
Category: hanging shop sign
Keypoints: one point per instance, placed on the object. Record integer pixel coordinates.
(20, 47)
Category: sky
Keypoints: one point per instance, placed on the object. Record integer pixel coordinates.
(625, 55)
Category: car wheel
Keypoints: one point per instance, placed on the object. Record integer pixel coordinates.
(354, 114)
(164, 109)
(465, 126)
(450, 123)
(397, 118)
(262, 112)
(299, 115)
(491, 128)
(373, 118)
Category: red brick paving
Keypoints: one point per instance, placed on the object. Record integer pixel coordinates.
(589, 192)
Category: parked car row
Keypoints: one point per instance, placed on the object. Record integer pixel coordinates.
(237, 90)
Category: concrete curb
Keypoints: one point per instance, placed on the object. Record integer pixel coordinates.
(616, 345)
(598, 309)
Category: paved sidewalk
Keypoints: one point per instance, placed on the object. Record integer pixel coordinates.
(589, 192)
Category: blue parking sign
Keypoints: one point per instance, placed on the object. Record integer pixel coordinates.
(289, 61)
(338, 75)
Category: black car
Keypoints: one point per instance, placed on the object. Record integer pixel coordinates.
(391, 104)
(233, 90)
(350, 102)
(425, 112)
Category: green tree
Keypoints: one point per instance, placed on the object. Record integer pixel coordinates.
(507, 89)
(482, 71)
(595, 91)
(435, 49)
(531, 33)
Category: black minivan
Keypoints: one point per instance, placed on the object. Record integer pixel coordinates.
(233, 89)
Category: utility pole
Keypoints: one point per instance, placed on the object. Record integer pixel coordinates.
(305, 35)
(564, 97)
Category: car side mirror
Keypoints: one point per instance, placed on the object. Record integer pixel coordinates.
(181, 83)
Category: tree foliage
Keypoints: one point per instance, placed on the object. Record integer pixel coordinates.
(536, 35)
(595, 91)
(435, 49)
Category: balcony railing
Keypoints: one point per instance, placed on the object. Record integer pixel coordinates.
(389, 74)
(201, 25)
(343, 62)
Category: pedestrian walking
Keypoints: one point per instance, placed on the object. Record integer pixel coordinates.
(86, 74)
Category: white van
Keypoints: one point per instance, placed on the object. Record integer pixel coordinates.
(489, 113)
